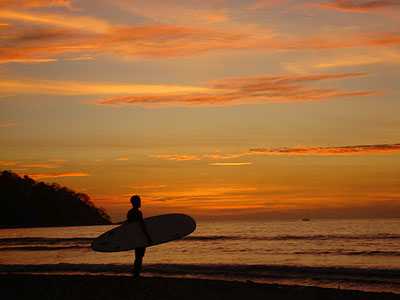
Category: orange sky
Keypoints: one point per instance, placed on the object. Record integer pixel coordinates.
(229, 109)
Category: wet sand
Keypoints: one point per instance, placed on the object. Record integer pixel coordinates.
(24, 286)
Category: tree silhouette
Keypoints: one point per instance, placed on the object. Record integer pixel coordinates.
(25, 202)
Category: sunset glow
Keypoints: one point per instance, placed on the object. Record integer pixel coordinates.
(230, 109)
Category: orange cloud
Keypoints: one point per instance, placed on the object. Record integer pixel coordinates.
(57, 175)
(34, 45)
(122, 158)
(7, 163)
(359, 6)
(341, 150)
(174, 157)
(213, 156)
(248, 90)
(92, 88)
(265, 4)
(71, 21)
(8, 124)
(219, 156)
(41, 165)
(386, 56)
(322, 151)
(148, 187)
(34, 3)
(69, 36)
(181, 12)
(231, 164)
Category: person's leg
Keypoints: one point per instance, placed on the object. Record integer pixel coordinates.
(137, 267)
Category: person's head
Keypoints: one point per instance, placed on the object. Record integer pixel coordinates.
(135, 200)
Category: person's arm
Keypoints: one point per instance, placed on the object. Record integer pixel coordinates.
(128, 216)
(144, 228)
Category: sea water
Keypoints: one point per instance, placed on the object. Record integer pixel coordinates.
(356, 254)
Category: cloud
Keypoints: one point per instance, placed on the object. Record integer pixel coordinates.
(344, 59)
(292, 151)
(57, 160)
(359, 6)
(178, 12)
(264, 4)
(83, 23)
(8, 163)
(40, 165)
(231, 164)
(52, 37)
(248, 90)
(57, 175)
(52, 87)
(8, 124)
(174, 157)
(356, 61)
(122, 158)
(62, 35)
(194, 157)
(50, 164)
(80, 58)
(219, 156)
(338, 41)
(148, 187)
(34, 3)
(27, 60)
(327, 151)
(35, 45)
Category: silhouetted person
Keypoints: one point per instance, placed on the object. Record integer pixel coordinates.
(135, 215)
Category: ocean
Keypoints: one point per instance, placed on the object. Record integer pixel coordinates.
(347, 254)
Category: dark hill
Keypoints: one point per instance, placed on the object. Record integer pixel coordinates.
(27, 203)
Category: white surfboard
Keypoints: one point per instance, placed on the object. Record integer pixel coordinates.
(128, 236)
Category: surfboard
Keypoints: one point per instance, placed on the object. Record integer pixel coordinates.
(128, 236)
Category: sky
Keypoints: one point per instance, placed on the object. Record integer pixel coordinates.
(220, 109)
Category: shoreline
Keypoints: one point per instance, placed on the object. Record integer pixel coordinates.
(23, 286)
(369, 280)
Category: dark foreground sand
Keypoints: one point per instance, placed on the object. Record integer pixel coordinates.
(122, 287)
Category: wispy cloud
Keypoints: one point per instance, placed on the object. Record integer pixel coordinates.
(148, 187)
(7, 124)
(69, 36)
(82, 23)
(180, 12)
(264, 4)
(8, 163)
(345, 59)
(386, 56)
(35, 3)
(29, 165)
(177, 157)
(248, 90)
(359, 6)
(284, 151)
(57, 175)
(122, 158)
(326, 151)
(234, 164)
(40, 165)
(53, 87)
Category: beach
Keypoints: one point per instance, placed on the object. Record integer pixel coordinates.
(44, 286)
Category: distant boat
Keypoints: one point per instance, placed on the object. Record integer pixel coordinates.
(305, 219)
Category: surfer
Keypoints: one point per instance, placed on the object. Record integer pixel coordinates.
(135, 215)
